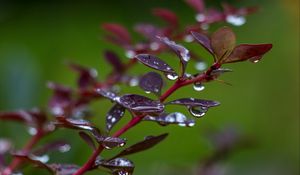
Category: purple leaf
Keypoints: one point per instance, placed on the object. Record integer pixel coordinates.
(119, 32)
(155, 63)
(203, 40)
(74, 124)
(110, 142)
(167, 15)
(118, 166)
(223, 42)
(149, 31)
(64, 169)
(151, 82)
(141, 104)
(173, 118)
(147, 143)
(87, 138)
(114, 115)
(194, 102)
(180, 51)
(107, 94)
(61, 100)
(251, 52)
(87, 76)
(60, 146)
(114, 60)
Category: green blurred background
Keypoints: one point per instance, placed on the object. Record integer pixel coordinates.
(37, 37)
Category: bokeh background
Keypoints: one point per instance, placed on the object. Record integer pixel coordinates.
(37, 37)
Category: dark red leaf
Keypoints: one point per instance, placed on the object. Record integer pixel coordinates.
(87, 76)
(110, 142)
(149, 31)
(155, 63)
(87, 138)
(151, 82)
(167, 15)
(114, 115)
(252, 52)
(74, 123)
(118, 31)
(147, 143)
(223, 42)
(20, 116)
(203, 40)
(180, 51)
(114, 60)
(61, 100)
(194, 102)
(106, 93)
(173, 118)
(118, 166)
(141, 104)
(61, 146)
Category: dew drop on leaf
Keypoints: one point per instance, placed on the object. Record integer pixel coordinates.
(32, 131)
(200, 65)
(236, 20)
(172, 76)
(198, 87)
(188, 38)
(198, 111)
(130, 54)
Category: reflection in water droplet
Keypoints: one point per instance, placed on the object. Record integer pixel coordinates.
(204, 26)
(147, 92)
(188, 38)
(198, 111)
(255, 61)
(64, 148)
(130, 54)
(44, 158)
(200, 17)
(236, 20)
(172, 76)
(32, 131)
(200, 65)
(198, 86)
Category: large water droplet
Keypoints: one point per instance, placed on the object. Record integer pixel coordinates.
(200, 65)
(198, 111)
(32, 131)
(134, 81)
(172, 76)
(154, 46)
(198, 86)
(44, 158)
(236, 20)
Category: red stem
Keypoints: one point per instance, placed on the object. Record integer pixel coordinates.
(16, 161)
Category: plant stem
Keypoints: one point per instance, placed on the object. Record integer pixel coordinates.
(16, 161)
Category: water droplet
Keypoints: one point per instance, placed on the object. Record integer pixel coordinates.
(130, 54)
(198, 111)
(57, 111)
(255, 61)
(134, 81)
(93, 72)
(198, 86)
(188, 38)
(172, 76)
(200, 17)
(64, 148)
(32, 131)
(185, 54)
(200, 65)
(204, 26)
(44, 158)
(154, 46)
(236, 20)
(147, 92)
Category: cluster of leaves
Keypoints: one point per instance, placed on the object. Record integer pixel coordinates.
(69, 108)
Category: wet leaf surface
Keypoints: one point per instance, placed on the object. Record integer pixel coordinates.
(151, 82)
(114, 115)
(154, 62)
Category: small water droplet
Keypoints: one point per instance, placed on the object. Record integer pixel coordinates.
(64, 148)
(198, 112)
(93, 72)
(147, 92)
(255, 61)
(172, 76)
(130, 54)
(154, 46)
(32, 131)
(200, 17)
(134, 81)
(236, 20)
(188, 38)
(198, 86)
(204, 26)
(200, 65)
(44, 158)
